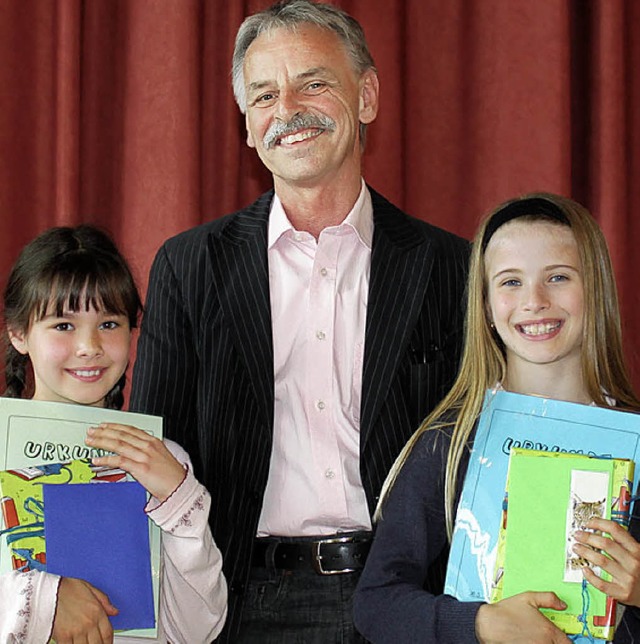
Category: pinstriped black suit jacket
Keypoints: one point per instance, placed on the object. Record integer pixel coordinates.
(205, 357)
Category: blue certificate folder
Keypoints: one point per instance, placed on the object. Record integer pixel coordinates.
(514, 420)
(100, 533)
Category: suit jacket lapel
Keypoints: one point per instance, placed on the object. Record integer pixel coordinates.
(400, 265)
(241, 277)
(400, 268)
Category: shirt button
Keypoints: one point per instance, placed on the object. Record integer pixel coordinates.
(323, 272)
(320, 405)
(299, 236)
(330, 474)
(320, 335)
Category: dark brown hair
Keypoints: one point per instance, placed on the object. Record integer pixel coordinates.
(73, 268)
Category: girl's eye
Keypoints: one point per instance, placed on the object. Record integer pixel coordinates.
(558, 278)
(109, 325)
(511, 282)
(63, 326)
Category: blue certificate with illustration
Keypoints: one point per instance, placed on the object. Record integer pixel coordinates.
(515, 420)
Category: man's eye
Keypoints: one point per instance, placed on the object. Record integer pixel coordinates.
(316, 87)
(265, 98)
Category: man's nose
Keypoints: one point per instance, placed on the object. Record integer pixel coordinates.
(288, 105)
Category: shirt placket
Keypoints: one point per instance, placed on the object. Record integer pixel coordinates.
(320, 361)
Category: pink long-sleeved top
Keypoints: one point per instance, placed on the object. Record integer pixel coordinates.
(193, 597)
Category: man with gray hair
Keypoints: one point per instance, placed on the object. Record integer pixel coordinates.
(294, 346)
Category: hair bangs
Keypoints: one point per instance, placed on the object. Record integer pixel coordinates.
(80, 282)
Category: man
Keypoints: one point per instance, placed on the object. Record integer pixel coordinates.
(295, 345)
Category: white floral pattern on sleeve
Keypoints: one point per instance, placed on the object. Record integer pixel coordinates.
(28, 606)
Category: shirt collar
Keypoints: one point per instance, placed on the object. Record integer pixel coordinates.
(359, 218)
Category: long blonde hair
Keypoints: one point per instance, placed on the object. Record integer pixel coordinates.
(483, 361)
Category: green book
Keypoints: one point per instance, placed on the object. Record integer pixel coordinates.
(549, 496)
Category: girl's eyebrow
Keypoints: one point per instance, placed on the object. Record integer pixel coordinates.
(519, 271)
(555, 267)
(505, 271)
(65, 314)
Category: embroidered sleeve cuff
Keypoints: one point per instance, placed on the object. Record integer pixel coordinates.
(28, 610)
(186, 508)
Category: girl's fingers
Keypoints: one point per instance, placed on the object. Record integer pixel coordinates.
(144, 456)
(123, 440)
(619, 556)
(124, 433)
(620, 547)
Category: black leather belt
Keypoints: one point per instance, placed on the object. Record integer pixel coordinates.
(327, 556)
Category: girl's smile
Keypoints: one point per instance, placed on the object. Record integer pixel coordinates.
(535, 294)
(77, 357)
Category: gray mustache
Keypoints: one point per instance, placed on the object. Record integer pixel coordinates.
(298, 121)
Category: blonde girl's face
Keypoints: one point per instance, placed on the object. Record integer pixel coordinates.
(77, 357)
(535, 293)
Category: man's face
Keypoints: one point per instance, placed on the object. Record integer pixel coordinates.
(304, 105)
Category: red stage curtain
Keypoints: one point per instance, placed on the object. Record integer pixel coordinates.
(120, 112)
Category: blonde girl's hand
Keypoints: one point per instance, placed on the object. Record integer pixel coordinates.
(145, 457)
(518, 620)
(622, 562)
(82, 614)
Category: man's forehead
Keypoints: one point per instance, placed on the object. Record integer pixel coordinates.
(299, 40)
(301, 52)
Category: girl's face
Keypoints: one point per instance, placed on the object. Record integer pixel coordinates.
(535, 293)
(76, 358)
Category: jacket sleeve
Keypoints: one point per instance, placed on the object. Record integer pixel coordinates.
(193, 602)
(27, 606)
(391, 603)
(166, 366)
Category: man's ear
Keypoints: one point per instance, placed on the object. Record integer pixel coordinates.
(369, 96)
(19, 341)
(250, 141)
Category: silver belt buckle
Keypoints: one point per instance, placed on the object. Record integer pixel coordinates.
(316, 559)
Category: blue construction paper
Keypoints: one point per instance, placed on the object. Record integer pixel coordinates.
(515, 420)
(99, 532)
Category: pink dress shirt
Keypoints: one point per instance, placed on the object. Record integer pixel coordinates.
(319, 292)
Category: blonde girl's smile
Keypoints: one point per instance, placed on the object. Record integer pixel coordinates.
(535, 293)
(541, 330)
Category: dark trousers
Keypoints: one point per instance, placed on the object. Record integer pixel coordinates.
(298, 607)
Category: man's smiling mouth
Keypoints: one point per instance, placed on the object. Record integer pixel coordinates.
(298, 137)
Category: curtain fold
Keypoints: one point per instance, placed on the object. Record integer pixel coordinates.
(121, 113)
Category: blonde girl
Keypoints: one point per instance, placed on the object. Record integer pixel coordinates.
(542, 319)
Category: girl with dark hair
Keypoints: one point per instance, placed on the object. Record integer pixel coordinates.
(70, 306)
(542, 319)
(74, 270)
